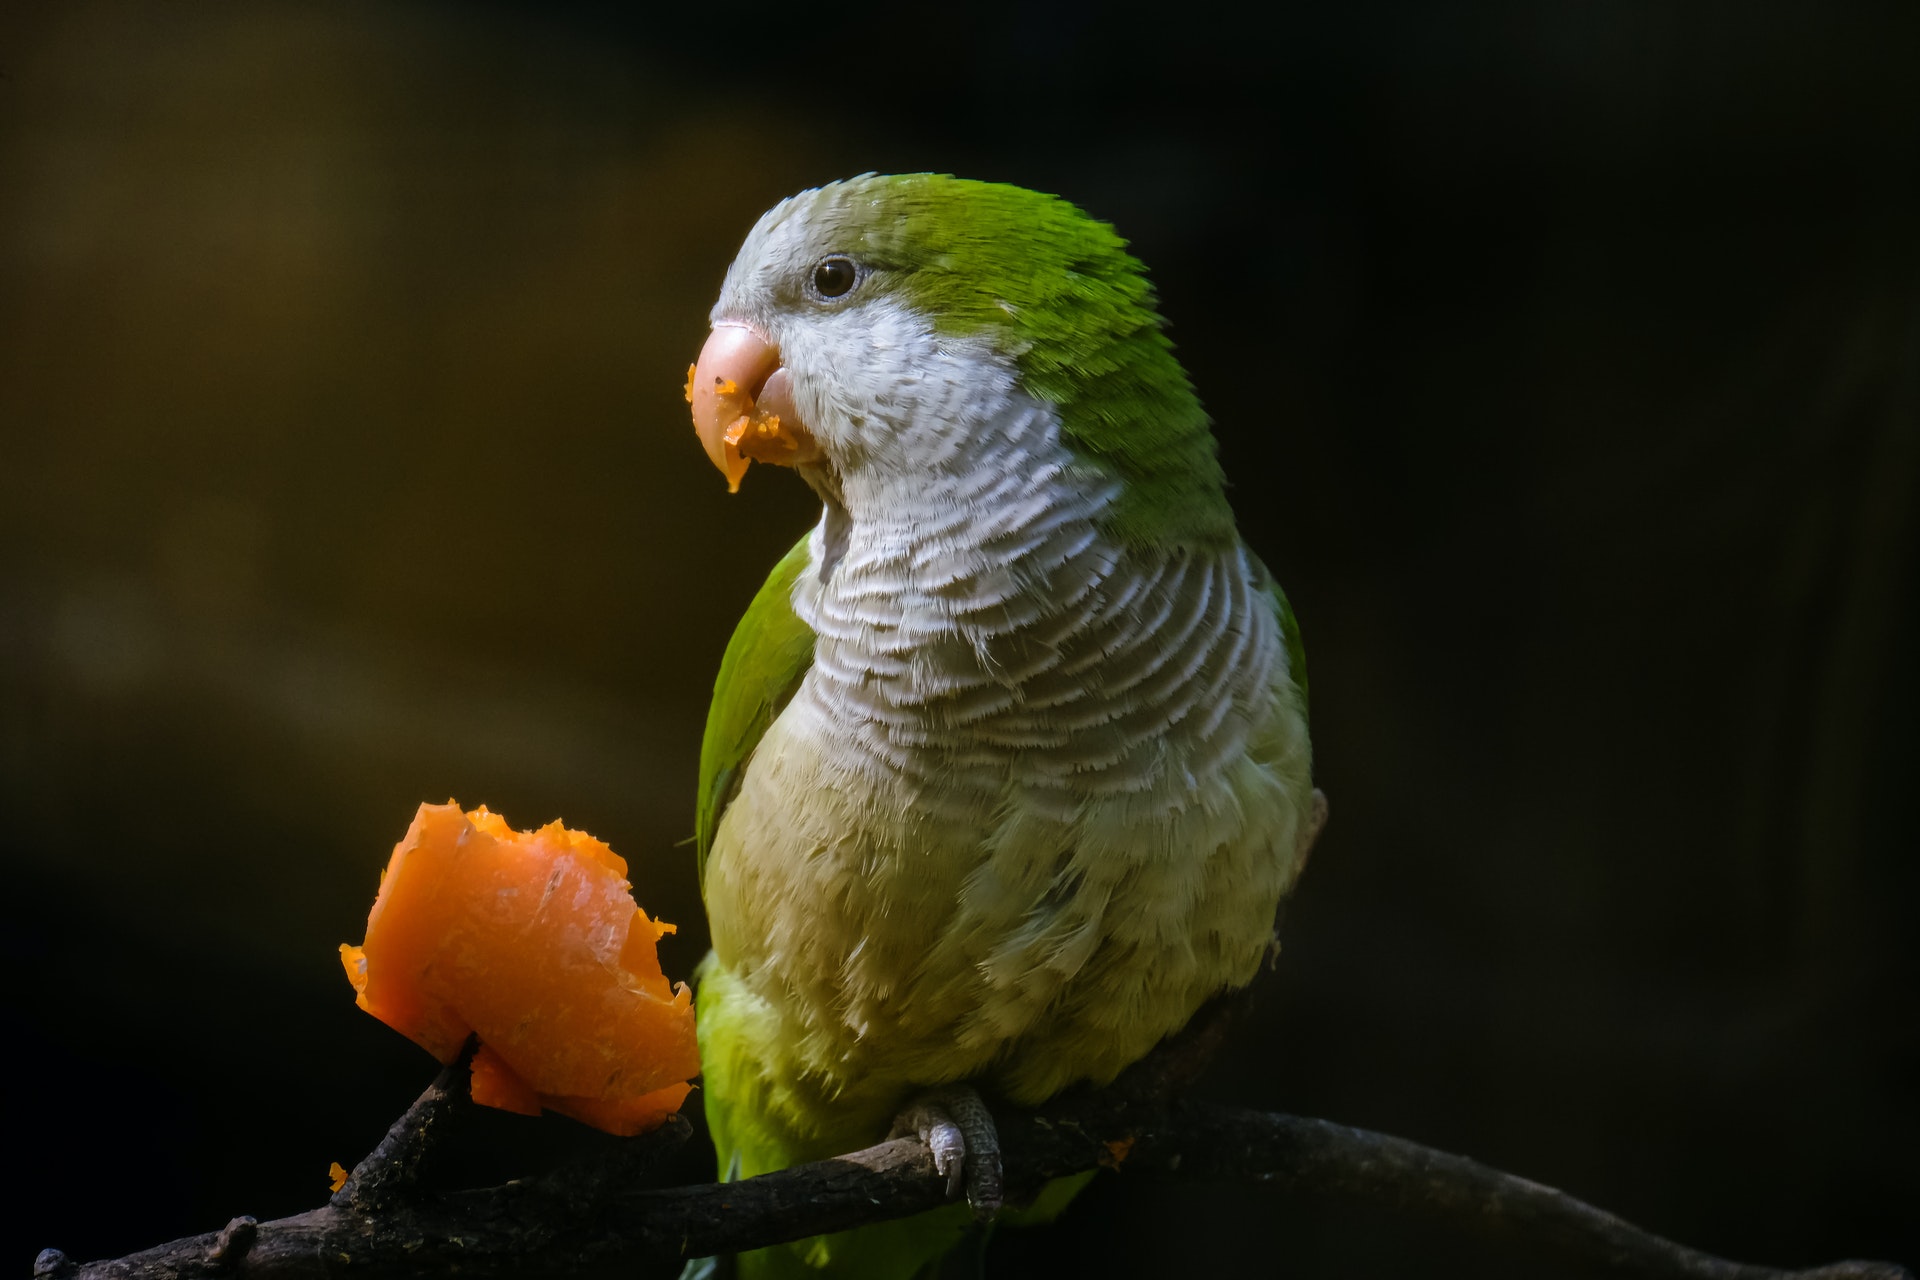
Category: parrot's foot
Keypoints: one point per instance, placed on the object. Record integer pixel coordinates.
(957, 1127)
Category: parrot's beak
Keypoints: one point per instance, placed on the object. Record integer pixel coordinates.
(742, 402)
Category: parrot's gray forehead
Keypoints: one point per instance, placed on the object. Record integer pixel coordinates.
(779, 253)
(775, 257)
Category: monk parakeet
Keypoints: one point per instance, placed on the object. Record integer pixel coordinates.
(1007, 767)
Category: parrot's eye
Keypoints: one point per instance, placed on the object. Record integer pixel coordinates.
(834, 277)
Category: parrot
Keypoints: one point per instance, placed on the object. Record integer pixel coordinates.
(1007, 767)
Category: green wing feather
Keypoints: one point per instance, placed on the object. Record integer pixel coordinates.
(770, 651)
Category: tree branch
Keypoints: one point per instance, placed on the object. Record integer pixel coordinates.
(590, 1219)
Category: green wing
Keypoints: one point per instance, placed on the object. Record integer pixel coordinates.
(770, 651)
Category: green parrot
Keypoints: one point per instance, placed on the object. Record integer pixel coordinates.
(1007, 767)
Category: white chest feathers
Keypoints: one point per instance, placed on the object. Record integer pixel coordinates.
(1037, 799)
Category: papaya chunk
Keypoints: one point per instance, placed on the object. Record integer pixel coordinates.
(530, 940)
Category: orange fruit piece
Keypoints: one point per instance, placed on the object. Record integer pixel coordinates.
(531, 940)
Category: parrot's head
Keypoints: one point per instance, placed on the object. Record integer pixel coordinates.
(871, 329)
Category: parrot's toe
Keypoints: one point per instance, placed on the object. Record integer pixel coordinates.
(959, 1131)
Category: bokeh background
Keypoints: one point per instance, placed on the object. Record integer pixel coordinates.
(1566, 359)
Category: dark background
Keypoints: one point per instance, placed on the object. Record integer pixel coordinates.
(1566, 359)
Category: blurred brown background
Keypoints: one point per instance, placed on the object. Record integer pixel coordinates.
(1566, 359)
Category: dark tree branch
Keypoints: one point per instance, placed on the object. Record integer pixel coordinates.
(393, 1167)
(592, 1219)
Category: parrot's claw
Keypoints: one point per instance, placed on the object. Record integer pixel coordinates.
(959, 1131)
(949, 1147)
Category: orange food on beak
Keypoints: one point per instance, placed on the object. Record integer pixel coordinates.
(531, 941)
(743, 405)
